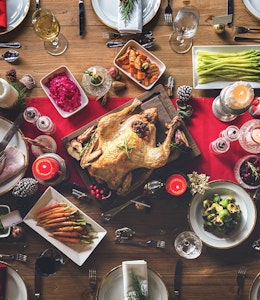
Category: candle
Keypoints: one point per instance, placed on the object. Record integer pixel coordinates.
(8, 94)
(45, 168)
(95, 77)
(176, 185)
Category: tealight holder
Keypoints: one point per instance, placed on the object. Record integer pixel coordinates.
(176, 185)
(96, 81)
(219, 145)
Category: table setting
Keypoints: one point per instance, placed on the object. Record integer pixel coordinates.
(129, 164)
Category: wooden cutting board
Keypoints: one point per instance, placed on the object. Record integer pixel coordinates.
(157, 97)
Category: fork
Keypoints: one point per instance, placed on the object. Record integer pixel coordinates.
(150, 243)
(92, 279)
(241, 274)
(16, 256)
(168, 13)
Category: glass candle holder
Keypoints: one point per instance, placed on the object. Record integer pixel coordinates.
(31, 114)
(45, 124)
(250, 136)
(176, 185)
(188, 245)
(219, 146)
(233, 100)
(97, 81)
(231, 133)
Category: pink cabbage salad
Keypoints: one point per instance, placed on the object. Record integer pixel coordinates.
(64, 92)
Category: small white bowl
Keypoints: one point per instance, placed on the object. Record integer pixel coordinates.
(4, 210)
(44, 82)
(152, 58)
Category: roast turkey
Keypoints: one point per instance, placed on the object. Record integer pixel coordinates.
(125, 141)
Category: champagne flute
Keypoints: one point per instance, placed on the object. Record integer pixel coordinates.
(47, 27)
(185, 27)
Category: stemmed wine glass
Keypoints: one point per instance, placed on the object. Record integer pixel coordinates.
(47, 27)
(185, 27)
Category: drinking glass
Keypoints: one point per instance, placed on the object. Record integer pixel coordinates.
(47, 27)
(188, 245)
(185, 26)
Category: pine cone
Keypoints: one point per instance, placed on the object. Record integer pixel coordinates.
(184, 92)
(26, 187)
(11, 75)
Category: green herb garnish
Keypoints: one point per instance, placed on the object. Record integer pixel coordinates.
(139, 293)
(255, 173)
(126, 9)
(126, 147)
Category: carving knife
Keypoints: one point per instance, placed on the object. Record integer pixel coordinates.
(228, 18)
(81, 18)
(37, 284)
(177, 279)
(230, 11)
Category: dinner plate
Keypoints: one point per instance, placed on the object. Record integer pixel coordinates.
(19, 142)
(111, 287)
(107, 11)
(218, 49)
(255, 288)
(16, 13)
(247, 221)
(253, 7)
(78, 253)
(15, 286)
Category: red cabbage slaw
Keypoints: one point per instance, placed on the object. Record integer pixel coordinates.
(64, 92)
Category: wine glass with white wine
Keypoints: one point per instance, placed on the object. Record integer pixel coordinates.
(185, 26)
(47, 27)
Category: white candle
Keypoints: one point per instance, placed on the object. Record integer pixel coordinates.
(8, 94)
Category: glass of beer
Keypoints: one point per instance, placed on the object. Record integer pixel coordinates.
(47, 27)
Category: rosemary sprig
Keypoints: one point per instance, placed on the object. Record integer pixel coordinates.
(138, 292)
(127, 148)
(126, 9)
(255, 173)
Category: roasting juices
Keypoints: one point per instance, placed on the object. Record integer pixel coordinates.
(237, 98)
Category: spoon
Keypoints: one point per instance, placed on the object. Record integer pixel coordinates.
(151, 188)
(243, 29)
(10, 56)
(128, 233)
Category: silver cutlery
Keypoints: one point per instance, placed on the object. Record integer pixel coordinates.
(170, 85)
(128, 233)
(177, 279)
(151, 243)
(245, 39)
(243, 29)
(37, 4)
(147, 43)
(117, 35)
(10, 56)
(16, 256)
(168, 13)
(10, 45)
(241, 274)
(92, 279)
(80, 195)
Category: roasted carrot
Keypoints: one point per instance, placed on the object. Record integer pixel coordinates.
(66, 233)
(67, 213)
(57, 220)
(71, 228)
(62, 224)
(51, 206)
(52, 211)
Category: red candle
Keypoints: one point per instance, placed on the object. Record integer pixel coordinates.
(176, 185)
(45, 168)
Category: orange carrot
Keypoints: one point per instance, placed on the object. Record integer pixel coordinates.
(68, 213)
(71, 228)
(57, 220)
(52, 211)
(66, 234)
(61, 224)
(51, 206)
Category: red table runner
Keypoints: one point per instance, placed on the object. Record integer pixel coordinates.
(203, 126)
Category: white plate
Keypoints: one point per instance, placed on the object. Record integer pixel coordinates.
(253, 7)
(55, 72)
(76, 252)
(111, 287)
(152, 58)
(15, 286)
(107, 11)
(248, 215)
(255, 289)
(218, 49)
(16, 13)
(20, 143)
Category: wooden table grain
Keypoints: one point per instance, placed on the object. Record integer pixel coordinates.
(213, 274)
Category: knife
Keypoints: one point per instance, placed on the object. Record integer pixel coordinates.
(177, 279)
(230, 11)
(37, 284)
(10, 133)
(10, 45)
(81, 17)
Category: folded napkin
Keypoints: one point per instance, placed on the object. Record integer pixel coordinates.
(135, 22)
(137, 268)
(3, 275)
(3, 14)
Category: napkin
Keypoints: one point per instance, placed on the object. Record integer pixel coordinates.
(3, 14)
(135, 22)
(138, 268)
(3, 275)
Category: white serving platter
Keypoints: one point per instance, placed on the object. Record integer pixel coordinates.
(218, 49)
(78, 253)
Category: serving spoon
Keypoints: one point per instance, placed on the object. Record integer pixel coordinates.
(10, 56)
(151, 188)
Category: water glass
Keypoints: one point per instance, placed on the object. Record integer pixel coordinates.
(188, 245)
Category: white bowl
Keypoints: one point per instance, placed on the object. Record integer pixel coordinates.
(4, 210)
(152, 58)
(245, 226)
(44, 82)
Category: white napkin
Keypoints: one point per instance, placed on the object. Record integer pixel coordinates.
(139, 268)
(135, 23)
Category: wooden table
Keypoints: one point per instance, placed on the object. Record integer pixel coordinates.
(213, 274)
